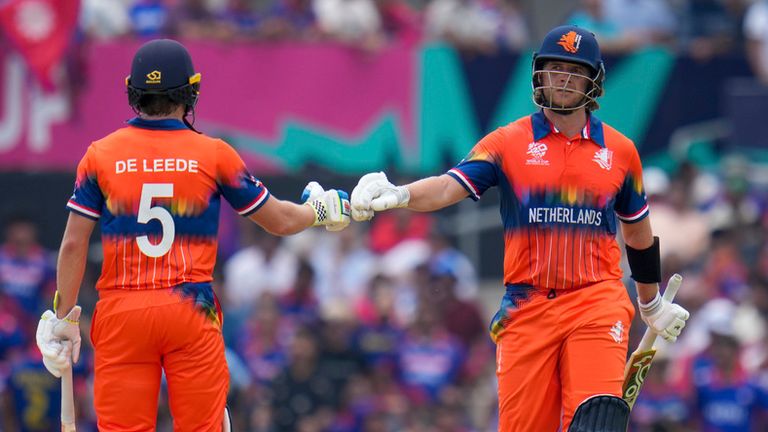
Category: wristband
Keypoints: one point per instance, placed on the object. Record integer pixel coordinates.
(645, 264)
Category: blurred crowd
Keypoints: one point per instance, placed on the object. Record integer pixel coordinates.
(383, 327)
(701, 29)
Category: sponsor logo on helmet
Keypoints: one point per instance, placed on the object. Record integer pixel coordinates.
(604, 158)
(153, 77)
(537, 151)
(570, 42)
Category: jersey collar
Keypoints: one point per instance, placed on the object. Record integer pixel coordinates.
(593, 130)
(166, 124)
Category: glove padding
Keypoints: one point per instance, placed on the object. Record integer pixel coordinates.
(374, 192)
(59, 340)
(331, 207)
(665, 318)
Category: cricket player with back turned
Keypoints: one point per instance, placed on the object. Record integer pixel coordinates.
(156, 186)
(567, 183)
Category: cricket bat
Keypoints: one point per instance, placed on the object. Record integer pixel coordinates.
(67, 402)
(640, 361)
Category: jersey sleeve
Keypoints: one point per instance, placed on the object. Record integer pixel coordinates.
(88, 199)
(631, 204)
(479, 170)
(244, 192)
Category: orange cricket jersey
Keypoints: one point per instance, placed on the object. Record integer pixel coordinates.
(156, 188)
(560, 198)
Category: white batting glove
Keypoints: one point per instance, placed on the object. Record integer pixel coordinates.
(374, 192)
(665, 318)
(59, 340)
(312, 191)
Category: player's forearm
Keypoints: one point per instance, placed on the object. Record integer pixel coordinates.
(69, 274)
(292, 218)
(640, 236)
(434, 193)
(646, 292)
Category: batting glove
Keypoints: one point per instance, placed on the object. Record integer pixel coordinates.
(59, 340)
(314, 191)
(331, 209)
(374, 192)
(665, 318)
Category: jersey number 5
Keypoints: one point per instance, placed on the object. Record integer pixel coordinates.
(147, 213)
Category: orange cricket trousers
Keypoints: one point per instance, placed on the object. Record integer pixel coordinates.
(138, 334)
(556, 349)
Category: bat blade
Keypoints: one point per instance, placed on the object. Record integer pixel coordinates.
(640, 361)
(67, 402)
(634, 375)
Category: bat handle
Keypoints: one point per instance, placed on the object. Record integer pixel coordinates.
(649, 337)
(67, 402)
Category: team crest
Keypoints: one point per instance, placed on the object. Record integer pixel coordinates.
(617, 332)
(604, 158)
(537, 151)
(570, 41)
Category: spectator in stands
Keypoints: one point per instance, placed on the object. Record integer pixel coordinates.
(194, 19)
(725, 396)
(649, 21)
(240, 21)
(429, 357)
(265, 265)
(105, 19)
(461, 318)
(756, 34)
(483, 26)
(659, 405)
(30, 393)
(391, 228)
(353, 22)
(290, 19)
(27, 271)
(446, 255)
(343, 265)
(612, 38)
(300, 303)
(685, 229)
(399, 20)
(379, 332)
(300, 390)
(339, 358)
(262, 342)
(711, 27)
(151, 19)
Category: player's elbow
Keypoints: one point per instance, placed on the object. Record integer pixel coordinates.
(72, 244)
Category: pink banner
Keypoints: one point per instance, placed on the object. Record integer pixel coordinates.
(247, 90)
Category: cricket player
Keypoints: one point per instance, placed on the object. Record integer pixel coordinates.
(156, 187)
(565, 179)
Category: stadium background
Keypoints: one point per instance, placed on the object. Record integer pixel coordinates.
(382, 327)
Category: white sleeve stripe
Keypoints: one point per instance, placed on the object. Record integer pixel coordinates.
(83, 210)
(464, 180)
(635, 216)
(259, 199)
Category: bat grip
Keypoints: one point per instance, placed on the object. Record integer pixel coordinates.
(649, 337)
(67, 402)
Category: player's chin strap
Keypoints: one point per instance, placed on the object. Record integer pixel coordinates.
(226, 425)
(603, 413)
(187, 123)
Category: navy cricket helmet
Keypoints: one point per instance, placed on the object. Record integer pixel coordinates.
(571, 44)
(163, 67)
